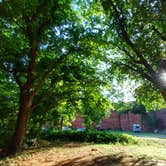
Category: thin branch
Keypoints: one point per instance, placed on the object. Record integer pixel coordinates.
(39, 9)
(41, 99)
(159, 33)
(17, 79)
(139, 71)
(126, 38)
(128, 54)
(46, 74)
(31, 67)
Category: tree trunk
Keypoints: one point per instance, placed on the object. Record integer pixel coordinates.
(38, 130)
(163, 93)
(22, 121)
(40, 125)
(61, 123)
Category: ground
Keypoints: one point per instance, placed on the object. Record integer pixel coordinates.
(150, 151)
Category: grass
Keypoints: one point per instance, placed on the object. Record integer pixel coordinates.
(147, 151)
(143, 134)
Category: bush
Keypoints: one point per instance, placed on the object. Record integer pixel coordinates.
(88, 136)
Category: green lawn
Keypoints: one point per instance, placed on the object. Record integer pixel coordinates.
(144, 134)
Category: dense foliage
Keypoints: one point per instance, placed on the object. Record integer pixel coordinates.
(136, 34)
(89, 136)
(149, 97)
(51, 59)
(58, 58)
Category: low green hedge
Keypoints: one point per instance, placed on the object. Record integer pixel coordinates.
(88, 136)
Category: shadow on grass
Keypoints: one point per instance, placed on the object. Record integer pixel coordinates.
(45, 145)
(119, 159)
(42, 145)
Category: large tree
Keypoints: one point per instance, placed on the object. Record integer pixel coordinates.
(26, 26)
(136, 33)
(42, 46)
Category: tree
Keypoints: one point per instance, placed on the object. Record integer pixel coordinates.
(136, 33)
(26, 26)
(78, 90)
(38, 40)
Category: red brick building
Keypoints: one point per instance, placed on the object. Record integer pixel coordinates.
(161, 117)
(125, 121)
(78, 122)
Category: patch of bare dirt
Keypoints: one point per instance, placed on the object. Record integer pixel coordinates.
(75, 154)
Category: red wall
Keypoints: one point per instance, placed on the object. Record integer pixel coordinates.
(78, 122)
(125, 121)
(111, 122)
(161, 116)
(115, 121)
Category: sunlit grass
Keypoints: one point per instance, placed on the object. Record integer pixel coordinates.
(150, 149)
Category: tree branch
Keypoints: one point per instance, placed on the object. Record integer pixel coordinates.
(128, 54)
(120, 19)
(17, 79)
(158, 33)
(34, 38)
(46, 74)
(31, 66)
(139, 71)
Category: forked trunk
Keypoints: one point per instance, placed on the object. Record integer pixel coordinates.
(21, 124)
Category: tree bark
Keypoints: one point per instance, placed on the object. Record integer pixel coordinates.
(22, 121)
(38, 130)
(163, 93)
(61, 123)
(40, 125)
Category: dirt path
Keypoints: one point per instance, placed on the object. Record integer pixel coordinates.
(75, 154)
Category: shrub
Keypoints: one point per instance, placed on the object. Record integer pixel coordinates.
(88, 136)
